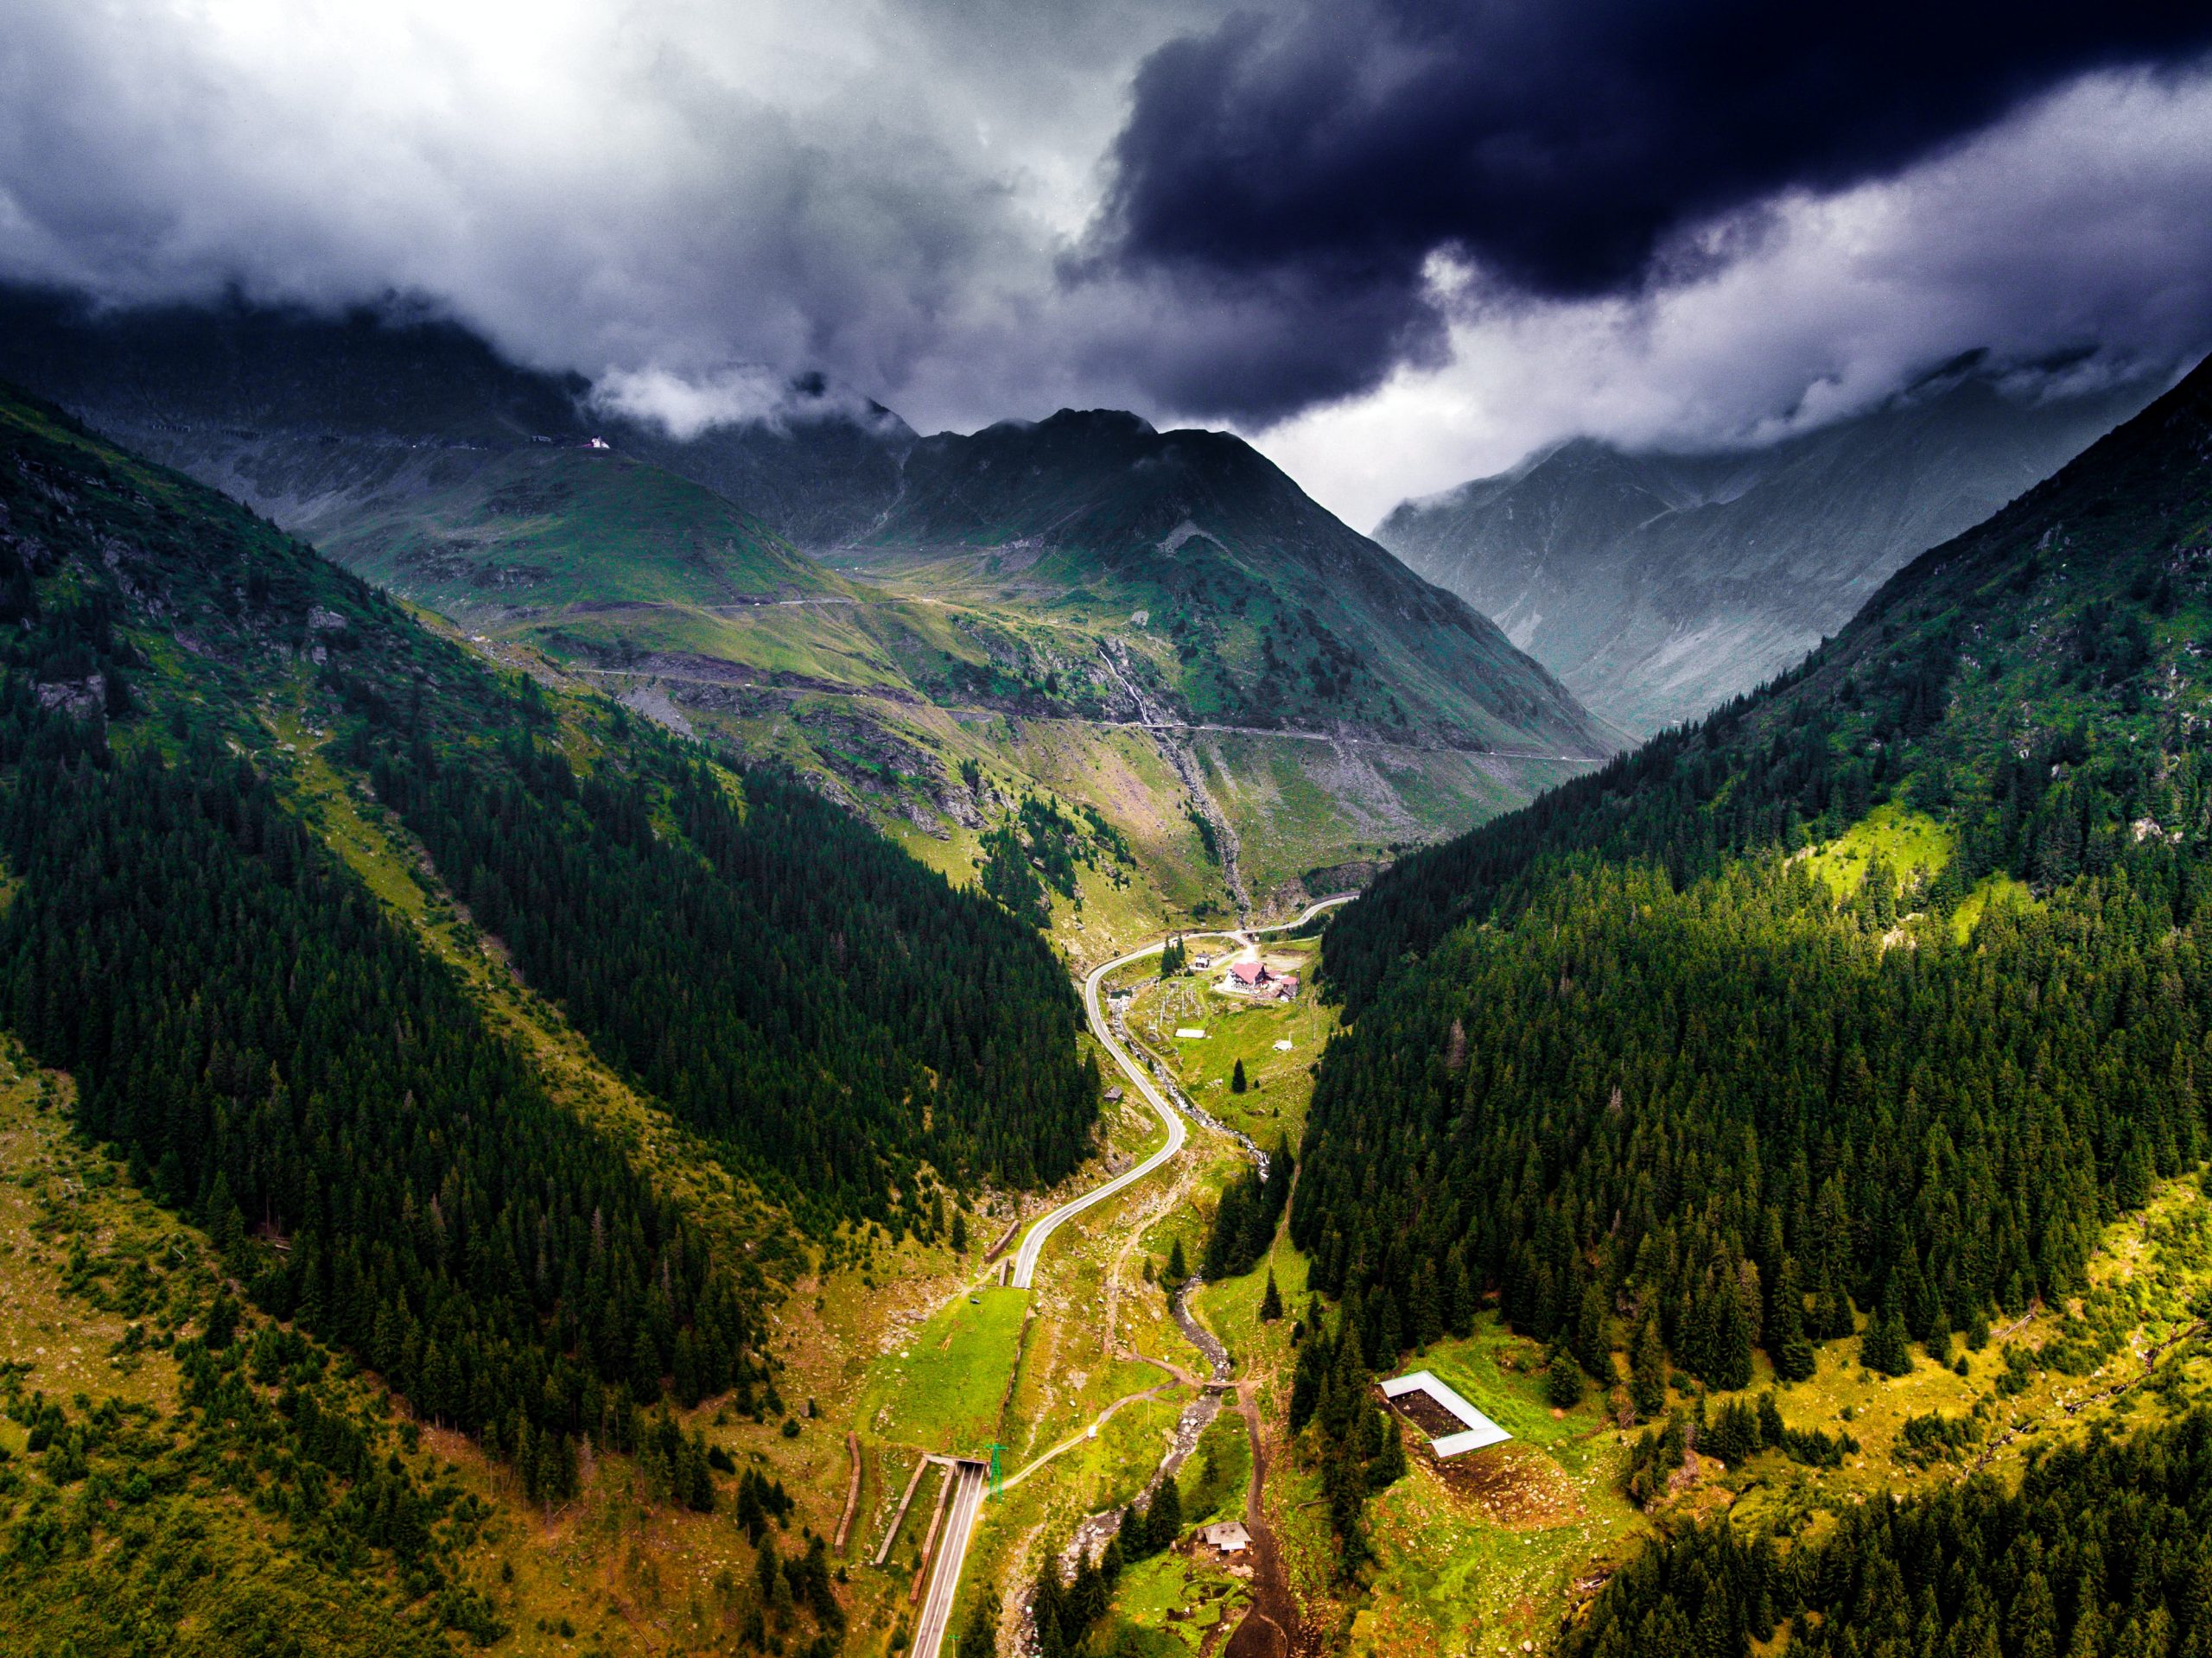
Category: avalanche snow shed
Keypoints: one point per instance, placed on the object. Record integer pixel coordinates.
(1479, 1431)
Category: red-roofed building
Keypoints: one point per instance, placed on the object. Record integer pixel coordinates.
(1253, 979)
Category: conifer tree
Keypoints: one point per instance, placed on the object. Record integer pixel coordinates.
(1562, 1380)
(1593, 1349)
(1166, 1515)
(1427, 1315)
(979, 1637)
(1795, 1359)
(767, 1570)
(1647, 1386)
(1389, 1465)
(1885, 1348)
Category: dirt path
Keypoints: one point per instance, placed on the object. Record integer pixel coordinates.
(1272, 1627)
(1089, 1432)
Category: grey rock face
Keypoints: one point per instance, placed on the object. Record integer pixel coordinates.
(1658, 586)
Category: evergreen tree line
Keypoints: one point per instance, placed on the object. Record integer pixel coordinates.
(1244, 1224)
(1805, 757)
(263, 1042)
(1359, 1446)
(2102, 1552)
(782, 976)
(793, 985)
(267, 1048)
(1009, 878)
(979, 1636)
(1736, 1429)
(1651, 1086)
(782, 1586)
(1705, 1121)
(301, 1456)
(1063, 1613)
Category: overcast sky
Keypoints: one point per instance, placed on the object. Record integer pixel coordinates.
(1398, 243)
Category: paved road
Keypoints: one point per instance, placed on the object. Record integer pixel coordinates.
(951, 1550)
(1025, 1264)
(902, 694)
(967, 1499)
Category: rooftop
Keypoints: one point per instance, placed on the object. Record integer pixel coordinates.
(1480, 1430)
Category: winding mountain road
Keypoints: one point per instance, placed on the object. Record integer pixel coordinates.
(1025, 1264)
(967, 1501)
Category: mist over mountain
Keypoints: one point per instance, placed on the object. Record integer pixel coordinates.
(1659, 585)
(286, 405)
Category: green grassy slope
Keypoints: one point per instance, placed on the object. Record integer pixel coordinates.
(545, 527)
(1260, 607)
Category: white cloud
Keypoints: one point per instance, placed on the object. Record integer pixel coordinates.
(2080, 223)
(841, 185)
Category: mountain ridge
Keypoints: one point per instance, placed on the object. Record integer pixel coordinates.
(1201, 522)
(1658, 584)
(905, 669)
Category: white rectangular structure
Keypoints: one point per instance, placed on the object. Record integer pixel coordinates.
(1481, 1431)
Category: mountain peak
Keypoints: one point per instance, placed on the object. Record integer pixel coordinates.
(1097, 421)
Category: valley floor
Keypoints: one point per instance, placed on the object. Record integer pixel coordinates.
(1087, 1383)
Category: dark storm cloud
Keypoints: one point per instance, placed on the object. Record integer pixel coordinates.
(1325, 154)
(1347, 230)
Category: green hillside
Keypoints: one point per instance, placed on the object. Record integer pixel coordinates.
(1832, 1030)
(1259, 607)
(560, 527)
(498, 1040)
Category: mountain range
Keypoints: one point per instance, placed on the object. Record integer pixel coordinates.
(1658, 584)
(1232, 694)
